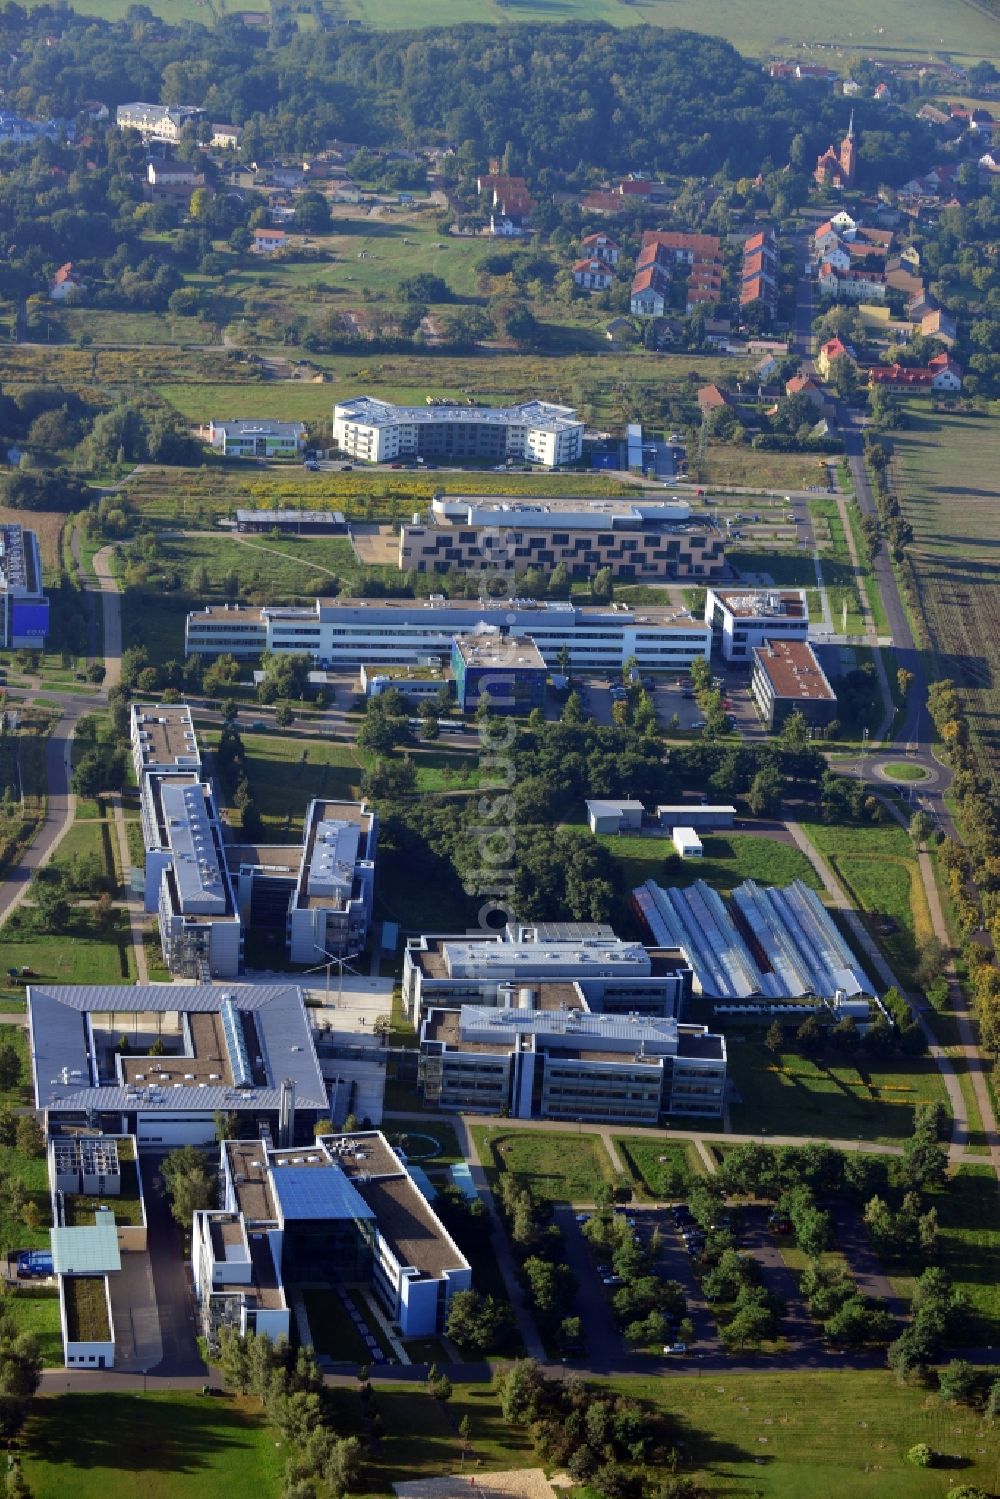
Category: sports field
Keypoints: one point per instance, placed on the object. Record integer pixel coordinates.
(946, 474)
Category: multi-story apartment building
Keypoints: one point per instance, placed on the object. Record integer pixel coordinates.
(24, 608)
(637, 540)
(548, 1057)
(661, 254)
(535, 431)
(349, 633)
(743, 619)
(161, 122)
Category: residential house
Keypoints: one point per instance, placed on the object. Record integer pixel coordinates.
(268, 241)
(902, 277)
(227, 137)
(940, 325)
(162, 122)
(509, 195)
(593, 274)
(712, 398)
(805, 385)
(173, 174)
(851, 285)
(829, 354)
(502, 227)
(946, 373)
(900, 377)
(65, 281)
(601, 247)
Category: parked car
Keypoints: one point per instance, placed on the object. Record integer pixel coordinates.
(583, 1217)
(675, 1348)
(614, 1280)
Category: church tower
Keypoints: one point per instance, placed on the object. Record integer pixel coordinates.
(847, 160)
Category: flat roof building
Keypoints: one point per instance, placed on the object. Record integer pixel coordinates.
(613, 816)
(787, 678)
(240, 1048)
(535, 431)
(349, 633)
(331, 907)
(635, 539)
(508, 671)
(617, 976)
(339, 1211)
(255, 438)
(292, 522)
(24, 607)
(744, 618)
(539, 1061)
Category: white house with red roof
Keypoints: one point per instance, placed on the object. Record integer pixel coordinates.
(946, 373)
(593, 274)
(65, 281)
(601, 246)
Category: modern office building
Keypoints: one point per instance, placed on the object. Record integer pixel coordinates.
(190, 1051)
(546, 1056)
(767, 943)
(535, 432)
(637, 540)
(509, 671)
(292, 522)
(415, 682)
(208, 891)
(331, 906)
(341, 1212)
(161, 122)
(787, 678)
(349, 633)
(186, 879)
(24, 608)
(257, 439)
(744, 618)
(616, 977)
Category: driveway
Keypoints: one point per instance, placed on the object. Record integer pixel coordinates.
(674, 1263)
(174, 1297)
(605, 1346)
(850, 1238)
(765, 1248)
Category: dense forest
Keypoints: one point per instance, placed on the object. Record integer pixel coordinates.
(548, 97)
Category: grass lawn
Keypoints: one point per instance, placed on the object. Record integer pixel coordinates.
(878, 866)
(332, 1330)
(16, 1036)
(786, 1436)
(658, 1166)
(89, 837)
(78, 956)
(285, 774)
(37, 1311)
(557, 1168)
(729, 859)
(412, 1136)
(31, 1172)
(158, 1446)
(903, 770)
(795, 1095)
(968, 1247)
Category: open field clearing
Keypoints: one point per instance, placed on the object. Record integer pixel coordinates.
(795, 1095)
(729, 859)
(557, 1168)
(105, 1446)
(919, 28)
(946, 470)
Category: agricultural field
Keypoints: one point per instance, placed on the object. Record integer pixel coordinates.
(894, 27)
(945, 468)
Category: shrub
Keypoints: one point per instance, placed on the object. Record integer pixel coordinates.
(921, 1456)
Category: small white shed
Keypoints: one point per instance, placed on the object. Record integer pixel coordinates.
(687, 843)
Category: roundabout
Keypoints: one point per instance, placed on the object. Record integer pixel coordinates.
(904, 770)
